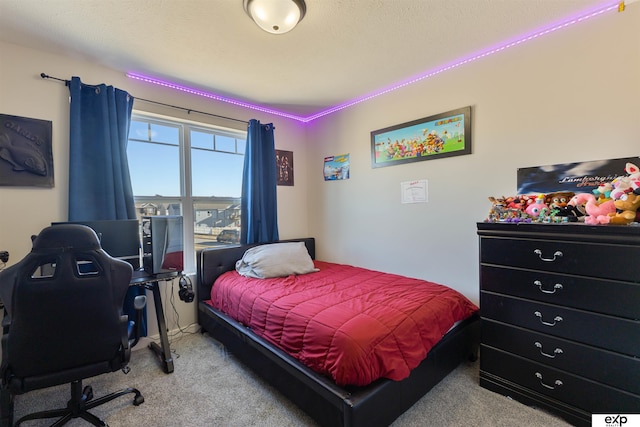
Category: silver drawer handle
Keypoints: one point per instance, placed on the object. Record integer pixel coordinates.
(556, 352)
(556, 287)
(557, 383)
(556, 254)
(555, 319)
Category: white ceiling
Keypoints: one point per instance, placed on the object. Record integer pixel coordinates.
(341, 50)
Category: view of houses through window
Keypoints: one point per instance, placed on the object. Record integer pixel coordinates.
(192, 170)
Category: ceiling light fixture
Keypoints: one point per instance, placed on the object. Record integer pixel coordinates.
(276, 16)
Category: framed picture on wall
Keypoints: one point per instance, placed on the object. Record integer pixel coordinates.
(337, 167)
(442, 135)
(26, 154)
(284, 164)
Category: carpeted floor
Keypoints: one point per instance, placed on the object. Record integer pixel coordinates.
(210, 388)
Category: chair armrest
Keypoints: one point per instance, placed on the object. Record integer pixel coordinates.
(124, 337)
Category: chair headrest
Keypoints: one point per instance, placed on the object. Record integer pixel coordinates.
(65, 237)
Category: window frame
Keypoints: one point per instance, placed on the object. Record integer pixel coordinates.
(186, 200)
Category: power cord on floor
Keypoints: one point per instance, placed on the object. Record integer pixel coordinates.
(186, 290)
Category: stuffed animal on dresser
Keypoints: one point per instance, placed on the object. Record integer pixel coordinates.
(596, 213)
(626, 209)
(626, 184)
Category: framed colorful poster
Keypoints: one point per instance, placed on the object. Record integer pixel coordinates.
(336, 167)
(442, 135)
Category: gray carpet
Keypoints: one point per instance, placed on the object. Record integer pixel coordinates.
(210, 388)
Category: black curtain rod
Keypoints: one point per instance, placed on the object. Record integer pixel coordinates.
(188, 110)
(45, 76)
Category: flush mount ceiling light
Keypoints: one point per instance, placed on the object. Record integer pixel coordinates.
(276, 16)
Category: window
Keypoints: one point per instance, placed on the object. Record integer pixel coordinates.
(189, 169)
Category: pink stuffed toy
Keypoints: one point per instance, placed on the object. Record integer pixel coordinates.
(535, 209)
(626, 184)
(596, 213)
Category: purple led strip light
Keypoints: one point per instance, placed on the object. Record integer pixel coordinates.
(458, 63)
(210, 95)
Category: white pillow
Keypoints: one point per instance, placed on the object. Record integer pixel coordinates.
(275, 260)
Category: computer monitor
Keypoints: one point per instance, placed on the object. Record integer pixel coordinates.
(162, 244)
(119, 238)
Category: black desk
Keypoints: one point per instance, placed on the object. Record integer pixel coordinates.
(150, 281)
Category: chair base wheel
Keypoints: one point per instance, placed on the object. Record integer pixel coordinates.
(138, 400)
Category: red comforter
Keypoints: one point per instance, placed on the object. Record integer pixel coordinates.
(352, 324)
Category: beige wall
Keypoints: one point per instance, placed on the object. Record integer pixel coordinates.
(23, 93)
(25, 211)
(571, 96)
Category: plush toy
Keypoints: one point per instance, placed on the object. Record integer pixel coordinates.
(498, 209)
(596, 213)
(626, 184)
(603, 192)
(506, 209)
(626, 209)
(519, 202)
(559, 199)
(534, 210)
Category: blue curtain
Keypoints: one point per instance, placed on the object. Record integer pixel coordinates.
(259, 202)
(99, 179)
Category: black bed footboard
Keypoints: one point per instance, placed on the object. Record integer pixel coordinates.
(377, 404)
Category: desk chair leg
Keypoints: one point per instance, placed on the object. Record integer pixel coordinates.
(79, 404)
(163, 351)
(138, 399)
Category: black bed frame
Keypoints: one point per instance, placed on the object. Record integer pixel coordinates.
(377, 404)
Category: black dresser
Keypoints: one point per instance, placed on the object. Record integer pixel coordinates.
(560, 307)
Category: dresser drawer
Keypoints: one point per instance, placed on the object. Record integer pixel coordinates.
(612, 297)
(603, 366)
(607, 261)
(611, 333)
(574, 390)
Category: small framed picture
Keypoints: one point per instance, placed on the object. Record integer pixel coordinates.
(337, 167)
(284, 164)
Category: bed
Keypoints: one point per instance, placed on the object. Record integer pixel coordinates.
(329, 404)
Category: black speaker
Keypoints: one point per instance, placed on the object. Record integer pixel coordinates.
(186, 293)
